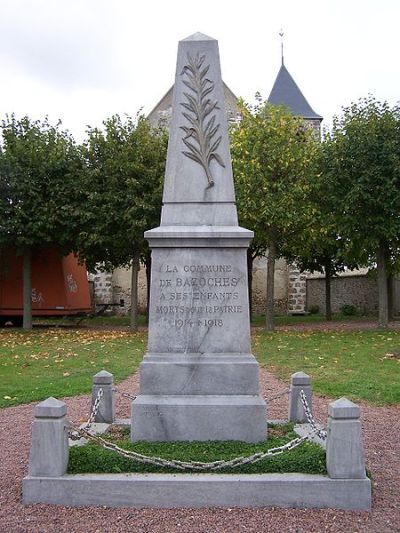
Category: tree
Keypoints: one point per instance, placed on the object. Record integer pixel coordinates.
(321, 249)
(126, 164)
(362, 165)
(273, 157)
(40, 172)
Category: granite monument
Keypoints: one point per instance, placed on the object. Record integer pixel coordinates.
(198, 379)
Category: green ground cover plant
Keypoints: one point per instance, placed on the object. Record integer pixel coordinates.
(361, 365)
(61, 362)
(307, 458)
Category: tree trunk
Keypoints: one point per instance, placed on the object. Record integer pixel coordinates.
(147, 262)
(328, 278)
(269, 318)
(27, 288)
(134, 291)
(383, 316)
(250, 260)
(390, 285)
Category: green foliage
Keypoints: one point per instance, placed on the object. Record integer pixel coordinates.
(307, 458)
(361, 163)
(123, 190)
(361, 365)
(273, 156)
(348, 310)
(40, 185)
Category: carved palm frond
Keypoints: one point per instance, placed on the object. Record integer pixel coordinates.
(200, 136)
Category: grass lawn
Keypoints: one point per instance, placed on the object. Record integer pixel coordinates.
(87, 321)
(287, 320)
(59, 362)
(361, 365)
(307, 457)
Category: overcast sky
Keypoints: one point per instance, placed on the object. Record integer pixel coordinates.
(83, 60)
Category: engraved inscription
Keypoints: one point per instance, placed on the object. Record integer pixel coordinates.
(198, 295)
(200, 135)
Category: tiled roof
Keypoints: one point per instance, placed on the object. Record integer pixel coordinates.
(286, 92)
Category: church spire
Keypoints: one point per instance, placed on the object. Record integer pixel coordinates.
(286, 92)
(281, 34)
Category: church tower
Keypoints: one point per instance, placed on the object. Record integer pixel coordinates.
(285, 91)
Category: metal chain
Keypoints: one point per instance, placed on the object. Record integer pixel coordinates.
(95, 409)
(124, 394)
(276, 396)
(322, 434)
(84, 431)
(194, 465)
(74, 433)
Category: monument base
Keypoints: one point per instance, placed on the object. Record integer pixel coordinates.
(199, 418)
(192, 374)
(199, 490)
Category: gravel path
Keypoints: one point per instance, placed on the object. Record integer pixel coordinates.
(382, 444)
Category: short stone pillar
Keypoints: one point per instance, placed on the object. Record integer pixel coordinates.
(299, 381)
(344, 448)
(49, 448)
(106, 411)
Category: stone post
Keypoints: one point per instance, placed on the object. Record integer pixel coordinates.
(49, 448)
(106, 412)
(344, 448)
(299, 381)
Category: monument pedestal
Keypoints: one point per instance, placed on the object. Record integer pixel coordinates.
(199, 418)
(198, 380)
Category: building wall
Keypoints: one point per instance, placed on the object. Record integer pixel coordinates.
(260, 286)
(361, 291)
(121, 281)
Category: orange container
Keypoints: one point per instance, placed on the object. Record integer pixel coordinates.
(59, 285)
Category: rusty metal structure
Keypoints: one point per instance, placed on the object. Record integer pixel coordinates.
(59, 286)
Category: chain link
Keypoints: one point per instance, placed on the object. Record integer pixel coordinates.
(321, 433)
(84, 431)
(76, 433)
(124, 394)
(95, 410)
(193, 465)
(276, 396)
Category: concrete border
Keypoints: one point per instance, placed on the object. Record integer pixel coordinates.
(199, 490)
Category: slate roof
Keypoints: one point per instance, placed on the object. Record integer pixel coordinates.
(286, 92)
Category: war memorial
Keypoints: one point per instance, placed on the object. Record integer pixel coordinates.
(198, 379)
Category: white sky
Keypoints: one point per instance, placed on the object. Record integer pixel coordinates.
(84, 60)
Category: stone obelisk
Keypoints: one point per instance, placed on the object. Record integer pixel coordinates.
(198, 379)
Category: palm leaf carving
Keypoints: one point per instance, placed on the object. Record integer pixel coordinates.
(200, 135)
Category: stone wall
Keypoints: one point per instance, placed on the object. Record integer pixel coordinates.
(260, 286)
(296, 291)
(102, 287)
(358, 290)
(121, 279)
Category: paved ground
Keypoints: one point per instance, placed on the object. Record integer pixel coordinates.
(381, 429)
